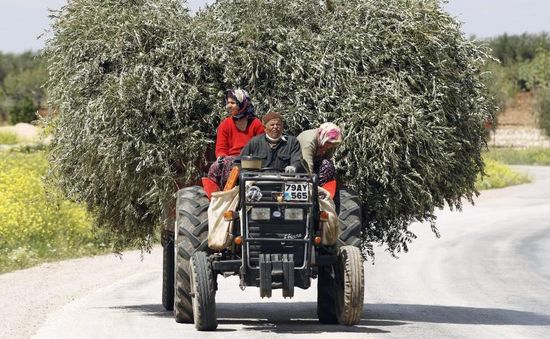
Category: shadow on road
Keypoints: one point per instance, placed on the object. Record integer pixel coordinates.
(155, 310)
(301, 317)
(278, 317)
(281, 317)
(453, 315)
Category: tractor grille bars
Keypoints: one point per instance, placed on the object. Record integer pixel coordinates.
(275, 235)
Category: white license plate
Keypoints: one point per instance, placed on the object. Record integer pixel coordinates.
(296, 192)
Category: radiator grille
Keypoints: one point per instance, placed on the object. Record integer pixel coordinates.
(281, 231)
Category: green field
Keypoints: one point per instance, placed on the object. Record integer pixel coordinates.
(8, 138)
(514, 156)
(499, 175)
(36, 223)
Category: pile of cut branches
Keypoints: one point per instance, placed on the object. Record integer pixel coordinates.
(138, 88)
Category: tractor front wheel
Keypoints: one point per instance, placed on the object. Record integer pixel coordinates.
(350, 285)
(340, 289)
(203, 294)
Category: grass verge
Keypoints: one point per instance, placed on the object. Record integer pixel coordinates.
(8, 138)
(498, 175)
(514, 156)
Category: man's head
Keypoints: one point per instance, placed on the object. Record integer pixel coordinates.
(273, 123)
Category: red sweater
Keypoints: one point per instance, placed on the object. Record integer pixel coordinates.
(230, 140)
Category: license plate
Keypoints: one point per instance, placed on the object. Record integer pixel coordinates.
(296, 192)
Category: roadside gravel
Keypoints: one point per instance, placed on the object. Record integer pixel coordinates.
(29, 295)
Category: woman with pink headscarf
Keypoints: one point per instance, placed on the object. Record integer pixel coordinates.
(318, 146)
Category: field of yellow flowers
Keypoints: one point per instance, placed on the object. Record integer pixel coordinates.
(36, 223)
(499, 175)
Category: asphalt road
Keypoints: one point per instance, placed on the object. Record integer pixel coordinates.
(488, 276)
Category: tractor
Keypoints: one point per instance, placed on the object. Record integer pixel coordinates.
(274, 237)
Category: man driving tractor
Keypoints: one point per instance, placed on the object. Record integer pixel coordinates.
(276, 150)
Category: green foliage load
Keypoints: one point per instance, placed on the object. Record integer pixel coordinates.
(138, 86)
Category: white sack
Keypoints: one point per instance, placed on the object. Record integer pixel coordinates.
(331, 228)
(220, 231)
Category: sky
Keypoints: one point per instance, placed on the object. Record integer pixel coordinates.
(22, 21)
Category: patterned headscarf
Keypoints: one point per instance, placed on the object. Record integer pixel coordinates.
(246, 109)
(329, 132)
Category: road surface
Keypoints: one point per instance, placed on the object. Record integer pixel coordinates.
(488, 276)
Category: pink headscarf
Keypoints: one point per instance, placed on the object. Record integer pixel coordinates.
(329, 132)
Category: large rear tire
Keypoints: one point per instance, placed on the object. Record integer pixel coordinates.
(192, 232)
(350, 286)
(350, 219)
(168, 271)
(203, 293)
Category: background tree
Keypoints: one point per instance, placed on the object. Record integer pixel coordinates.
(21, 94)
(510, 49)
(537, 76)
(522, 64)
(138, 87)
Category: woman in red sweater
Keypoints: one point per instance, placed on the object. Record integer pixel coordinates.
(233, 133)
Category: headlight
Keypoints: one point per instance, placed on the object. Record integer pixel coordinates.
(294, 214)
(260, 213)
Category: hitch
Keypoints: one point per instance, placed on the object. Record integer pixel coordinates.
(276, 271)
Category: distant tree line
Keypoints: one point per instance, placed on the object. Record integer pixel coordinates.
(522, 63)
(21, 93)
(512, 49)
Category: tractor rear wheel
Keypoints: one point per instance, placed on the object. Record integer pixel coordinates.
(350, 219)
(340, 289)
(192, 232)
(168, 271)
